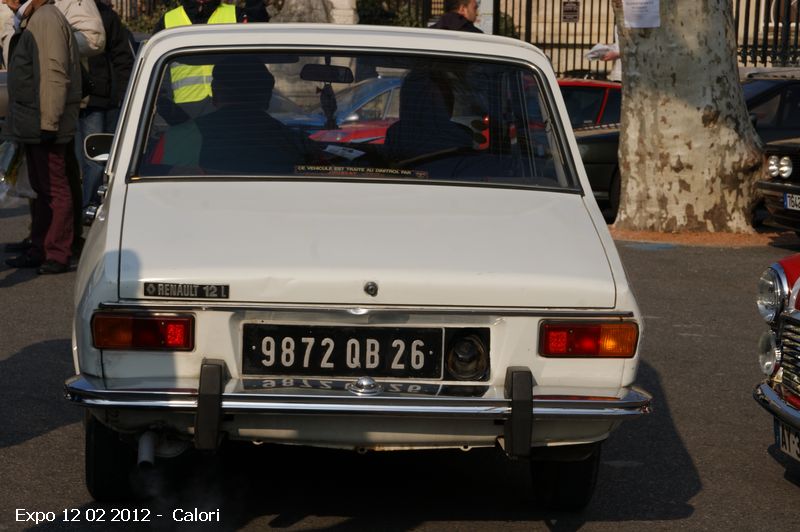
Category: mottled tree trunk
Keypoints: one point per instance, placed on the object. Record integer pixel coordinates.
(689, 156)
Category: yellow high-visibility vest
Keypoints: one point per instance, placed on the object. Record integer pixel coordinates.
(192, 83)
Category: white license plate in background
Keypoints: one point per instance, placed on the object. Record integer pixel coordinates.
(788, 439)
(791, 201)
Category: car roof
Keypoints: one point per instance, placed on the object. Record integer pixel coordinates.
(318, 37)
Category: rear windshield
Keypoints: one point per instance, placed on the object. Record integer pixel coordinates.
(351, 117)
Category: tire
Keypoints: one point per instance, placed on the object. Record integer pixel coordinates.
(109, 463)
(612, 208)
(565, 485)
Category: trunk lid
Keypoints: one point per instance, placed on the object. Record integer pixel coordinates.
(320, 243)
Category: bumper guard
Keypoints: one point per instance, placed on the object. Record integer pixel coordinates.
(775, 405)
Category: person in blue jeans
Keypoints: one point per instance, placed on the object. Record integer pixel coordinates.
(108, 77)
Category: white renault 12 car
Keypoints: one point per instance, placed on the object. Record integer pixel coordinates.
(450, 286)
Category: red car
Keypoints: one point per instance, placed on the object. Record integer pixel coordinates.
(591, 102)
(779, 352)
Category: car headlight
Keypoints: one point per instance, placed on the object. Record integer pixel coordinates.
(785, 167)
(779, 166)
(772, 293)
(772, 165)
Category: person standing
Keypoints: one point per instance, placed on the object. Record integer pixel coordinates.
(87, 28)
(200, 12)
(44, 92)
(190, 85)
(109, 73)
(460, 15)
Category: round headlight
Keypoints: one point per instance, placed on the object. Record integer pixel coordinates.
(771, 295)
(785, 167)
(769, 356)
(772, 166)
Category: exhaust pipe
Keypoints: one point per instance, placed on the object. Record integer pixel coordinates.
(147, 449)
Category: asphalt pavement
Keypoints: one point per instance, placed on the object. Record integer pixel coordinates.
(703, 460)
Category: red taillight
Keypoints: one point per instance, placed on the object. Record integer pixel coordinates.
(590, 339)
(112, 330)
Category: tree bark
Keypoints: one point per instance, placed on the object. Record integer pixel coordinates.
(689, 156)
(304, 11)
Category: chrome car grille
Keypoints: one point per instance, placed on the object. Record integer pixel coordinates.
(790, 356)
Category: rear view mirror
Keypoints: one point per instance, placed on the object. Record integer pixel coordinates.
(326, 73)
(97, 146)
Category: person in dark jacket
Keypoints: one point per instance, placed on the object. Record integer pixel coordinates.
(42, 117)
(239, 136)
(255, 11)
(109, 73)
(460, 15)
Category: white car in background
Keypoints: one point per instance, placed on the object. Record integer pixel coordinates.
(454, 287)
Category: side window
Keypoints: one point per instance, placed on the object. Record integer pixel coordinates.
(373, 109)
(766, 113)
(393, 111)
(612, 113)
(790, 114)
(583, 104)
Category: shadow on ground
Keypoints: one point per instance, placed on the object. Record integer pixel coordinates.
(33, 380)
(284, 487)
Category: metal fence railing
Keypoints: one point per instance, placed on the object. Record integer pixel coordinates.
(133, 9)
(768, 31)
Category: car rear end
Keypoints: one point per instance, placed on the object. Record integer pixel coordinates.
(366, 297)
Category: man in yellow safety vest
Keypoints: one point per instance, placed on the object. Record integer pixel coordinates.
(191, 84)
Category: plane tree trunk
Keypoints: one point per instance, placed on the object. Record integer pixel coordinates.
(689, 156)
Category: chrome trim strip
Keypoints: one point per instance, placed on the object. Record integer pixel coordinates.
(355, 310)
(635, 403)
(786, 289)
(777, 187)
(772, 403)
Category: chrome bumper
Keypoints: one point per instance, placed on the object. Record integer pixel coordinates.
(772, 403)
(88, 393)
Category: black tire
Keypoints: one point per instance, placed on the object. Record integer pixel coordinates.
(109, 463)
(614, 191)
(565, 485)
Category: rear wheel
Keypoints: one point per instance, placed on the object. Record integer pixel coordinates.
(566, 485)
(109, 462)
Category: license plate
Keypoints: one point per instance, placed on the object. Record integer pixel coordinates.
(788, 439)
(342, 351)
(791, 201)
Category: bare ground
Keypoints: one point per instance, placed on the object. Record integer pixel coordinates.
(763, 236)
